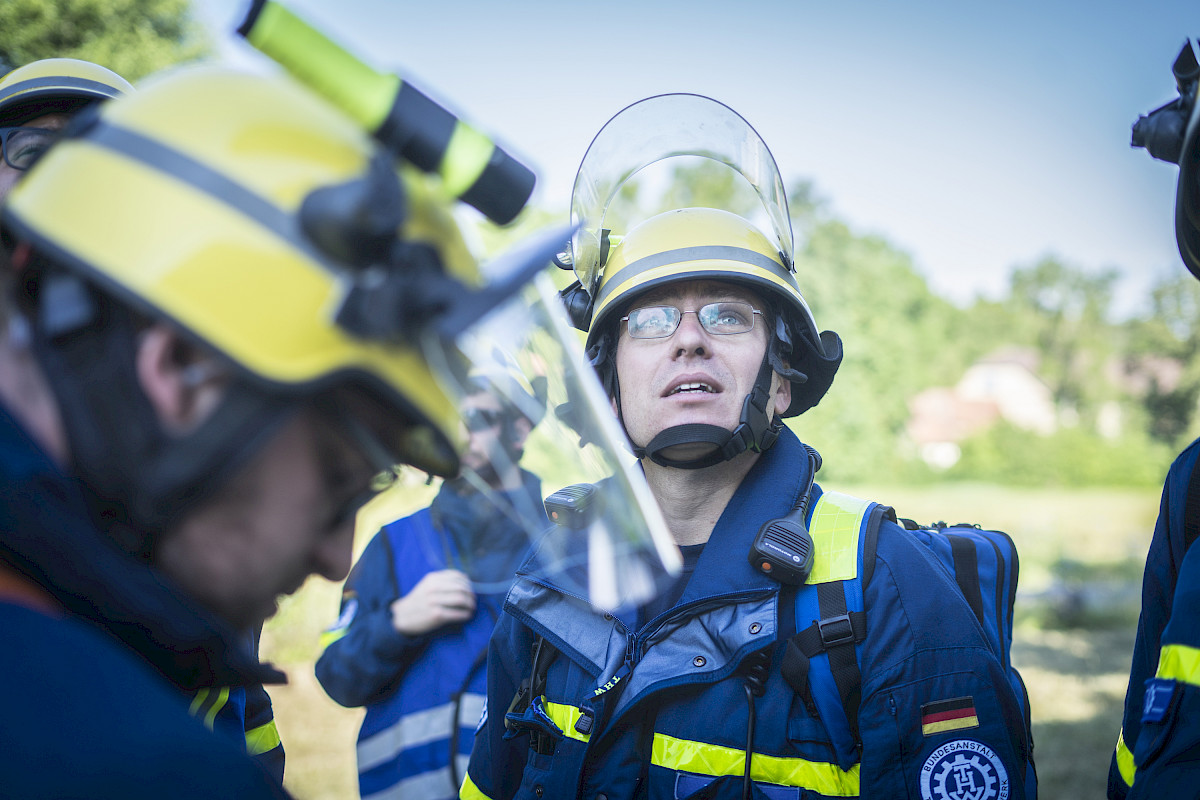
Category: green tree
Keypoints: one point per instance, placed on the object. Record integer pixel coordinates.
(1168, 336)
(1066, 310)
(131, 37)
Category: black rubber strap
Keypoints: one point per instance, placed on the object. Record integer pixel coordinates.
(837, 633)
(966, 572)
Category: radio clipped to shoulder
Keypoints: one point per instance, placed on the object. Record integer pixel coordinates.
(783, 548)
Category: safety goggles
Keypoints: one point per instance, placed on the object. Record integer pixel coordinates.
(23, 146)
(724, 318)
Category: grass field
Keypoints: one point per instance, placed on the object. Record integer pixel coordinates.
(1075, 665)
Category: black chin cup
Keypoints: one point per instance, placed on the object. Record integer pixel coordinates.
(705, 445)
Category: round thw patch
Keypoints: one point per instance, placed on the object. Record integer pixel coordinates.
(964, 770)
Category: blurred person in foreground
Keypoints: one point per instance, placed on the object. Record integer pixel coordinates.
(1158, 749)
(200, 384)
(37, 101)
(420, 605)
(698, 329)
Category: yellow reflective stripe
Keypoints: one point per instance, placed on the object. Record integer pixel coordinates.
(211, 717)
(331, 636)
(1125, 763)
(710, 759)
(470, 791)
(261, 739)
(1178, 662)
(836, 522)
(197, 701)
(466, 157)
(565, 718)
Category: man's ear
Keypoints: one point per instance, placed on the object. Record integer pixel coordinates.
(782, 393)
(182, 383)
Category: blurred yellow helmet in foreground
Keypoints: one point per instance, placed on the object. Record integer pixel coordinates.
(254, 216)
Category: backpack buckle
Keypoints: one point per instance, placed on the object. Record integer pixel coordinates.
(836, 630)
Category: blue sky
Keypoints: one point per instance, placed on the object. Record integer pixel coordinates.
(973, 136)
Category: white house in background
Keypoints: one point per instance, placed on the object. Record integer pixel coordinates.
(1001, 386)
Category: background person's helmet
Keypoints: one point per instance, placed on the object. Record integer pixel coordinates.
(1172, 133)
(270, 229)
(55, 84)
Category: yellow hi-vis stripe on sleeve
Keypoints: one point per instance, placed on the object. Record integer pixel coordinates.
(1125, 763)
(470, 791)
(1178, 662)
(710, 759)
(261, 739)
(836, 522)
(211, 717)
(565, 718)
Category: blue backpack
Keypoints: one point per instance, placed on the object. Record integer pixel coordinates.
(821, 659)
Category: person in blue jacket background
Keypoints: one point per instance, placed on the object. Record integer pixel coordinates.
(700, 334)
(1158, 748)
(418, 610)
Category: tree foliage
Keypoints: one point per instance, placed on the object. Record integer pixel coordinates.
(131, 37)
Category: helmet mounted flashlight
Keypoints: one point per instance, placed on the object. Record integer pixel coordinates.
(408, 123)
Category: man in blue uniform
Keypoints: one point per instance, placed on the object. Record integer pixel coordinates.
(697, 326)
(37, 101)
(1158, 749)
(194, 403)
(419, 608)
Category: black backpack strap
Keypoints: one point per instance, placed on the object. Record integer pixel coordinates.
(1191, 509)
(966, 573)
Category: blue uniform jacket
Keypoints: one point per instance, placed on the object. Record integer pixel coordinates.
(1165, 587)
(424, 694)
(661, 711)
(91, 683)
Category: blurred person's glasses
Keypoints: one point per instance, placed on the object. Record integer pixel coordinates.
(23, 146)
(482, 419)
(721, 319)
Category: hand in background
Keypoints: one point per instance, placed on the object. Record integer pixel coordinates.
(440, 598)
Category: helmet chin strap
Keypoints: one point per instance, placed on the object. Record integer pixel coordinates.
(699, 445)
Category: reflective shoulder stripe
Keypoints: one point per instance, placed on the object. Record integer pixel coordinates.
(1178, 662)
(1125, 763)
(835, 526)
(565, 718)
(709, 759)
(262, 739)
(470, 791)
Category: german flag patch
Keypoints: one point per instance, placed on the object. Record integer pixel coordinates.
(948, 715)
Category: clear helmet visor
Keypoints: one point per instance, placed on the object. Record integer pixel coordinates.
(614, 189)
(546, 479)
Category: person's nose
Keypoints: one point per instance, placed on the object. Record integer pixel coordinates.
(690, 337)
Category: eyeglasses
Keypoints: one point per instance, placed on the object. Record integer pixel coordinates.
(23, 146)
(482, 419)
(721, 319)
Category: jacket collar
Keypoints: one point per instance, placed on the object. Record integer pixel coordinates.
(768, 492)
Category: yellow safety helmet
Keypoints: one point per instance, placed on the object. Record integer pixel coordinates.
(688, 244)
(55, 84)
(193, 200)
